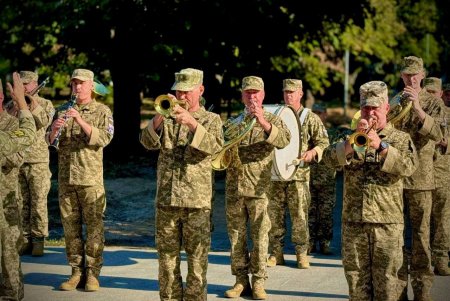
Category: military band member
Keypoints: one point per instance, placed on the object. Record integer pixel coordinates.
(424, 124)
(247, 185)
(186, 142)
(11, 142)
(440, 212)
(372, 214)
(294, 194)
(80, 133)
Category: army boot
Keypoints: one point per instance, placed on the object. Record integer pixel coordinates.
(240, 288)
(258, 291)
(92, 283)
(312, 247)
(274, 259)
(26, 247)
(325, 248)
(302, 260)
(441, 267)
(73, 282)
(38, 247)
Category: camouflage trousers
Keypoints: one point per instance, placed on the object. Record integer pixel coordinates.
(11, 280)
(295, 196)
(176, 228)
(372, 256)
(320, 217)
(34, 185)
(86, 204)
(440, 223)
(418, 206)
(240, 211)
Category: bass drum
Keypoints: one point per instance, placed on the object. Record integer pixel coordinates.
(283, 168)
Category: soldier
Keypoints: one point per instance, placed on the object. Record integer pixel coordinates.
(423, 122)
(11, 284)
(187, 141)
(34, 175)
(440, 211)
(323, 194)
(247, 184)
(11, 142)
(80, 132)
(372, 214)
(294, 194)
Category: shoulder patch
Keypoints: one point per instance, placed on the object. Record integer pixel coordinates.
(17, 133)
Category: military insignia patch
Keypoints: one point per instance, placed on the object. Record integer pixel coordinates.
(110, 129)
(17, 134)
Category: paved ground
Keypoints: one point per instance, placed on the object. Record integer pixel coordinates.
(130, 273)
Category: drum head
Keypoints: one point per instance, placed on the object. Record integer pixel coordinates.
(282, 168)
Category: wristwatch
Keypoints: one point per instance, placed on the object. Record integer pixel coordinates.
(383, 145)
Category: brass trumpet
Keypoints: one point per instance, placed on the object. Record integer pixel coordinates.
(164, 104)
(360, 141)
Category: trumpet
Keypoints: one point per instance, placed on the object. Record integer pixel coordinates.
(67, 107)
(164, 105)
(360, 141)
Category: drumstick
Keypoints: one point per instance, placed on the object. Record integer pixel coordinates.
(298, 160)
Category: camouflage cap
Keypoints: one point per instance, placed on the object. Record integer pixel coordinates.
(290, 84)
(318, 107)
(373, 94)
(187, 79)
(446, 87)
(28, 76)
(252, 83)
(432, 84)
(82, 74)
(412, 65)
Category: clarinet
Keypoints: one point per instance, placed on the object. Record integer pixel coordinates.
(68, 106)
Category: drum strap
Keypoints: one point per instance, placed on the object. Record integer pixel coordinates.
(303, 115)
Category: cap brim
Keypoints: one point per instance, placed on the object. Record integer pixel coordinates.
(83, 78)
(410, 71)
(372, 102)
(183, 87)
(252, 88)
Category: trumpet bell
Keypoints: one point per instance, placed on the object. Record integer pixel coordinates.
(359, 141)
(164, 105)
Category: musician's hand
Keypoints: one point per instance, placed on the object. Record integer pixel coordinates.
(57, 124)
(412, 95)
(258, 112)
(72, 113)
(309, 156)
(363, 126)
(157, 120)
(17, 92)
(374, 139)
(183, 117)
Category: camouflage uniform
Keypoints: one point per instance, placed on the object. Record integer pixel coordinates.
(418, 191)
(12, 142)
(34, 177)
(372, 214)
(11, 281)
(323, 198)
(440, 215)
(248, 179)
(183, 198)
(294, 194)
(81, 189)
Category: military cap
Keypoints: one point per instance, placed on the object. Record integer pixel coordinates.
(432, 84)
(28, 76)
(318, 107)
(290, 84)
(252, 83)
(446, 87)
(83, 74)
(187, 79)
(373, 94)
(412, 65)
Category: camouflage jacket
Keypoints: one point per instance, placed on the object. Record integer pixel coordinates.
(80, 158)
(184, 168)
(321, 174)
(43, 116)
(442, 158)
(424, 136)
(14, 141)
(313, 136)
(250, 170)
(373, 191)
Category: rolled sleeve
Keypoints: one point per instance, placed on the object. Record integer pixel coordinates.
(95, 136)
(37, 110)
(199, 135)
(273, 134)
(340, 154)
(390, 159)
(427, 126)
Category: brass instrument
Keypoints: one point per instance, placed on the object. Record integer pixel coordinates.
(234, 130)
(164, 105)
(360, 141)
(28, 96)
(66, 107)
